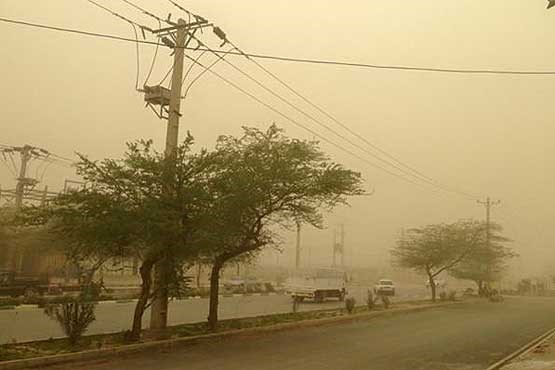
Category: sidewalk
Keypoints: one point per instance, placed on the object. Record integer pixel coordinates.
(542, 357)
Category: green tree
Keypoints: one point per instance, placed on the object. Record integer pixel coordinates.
(433, 249)
(487, 263)
(134, 207)
(264, 180)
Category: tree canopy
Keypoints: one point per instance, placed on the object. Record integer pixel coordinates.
(433, 249)
(487, 262)
(264, 180)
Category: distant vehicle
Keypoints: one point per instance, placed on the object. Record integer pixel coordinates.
(14, 285)
(322, 284)
(384, 287)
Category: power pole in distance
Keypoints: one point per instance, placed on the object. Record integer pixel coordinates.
(488, 204)
(342, 245)
(334, 245)
(298, 247)
(22, 181)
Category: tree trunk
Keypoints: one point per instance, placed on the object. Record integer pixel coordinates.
(199, 272)
(432, 286)
(159, 310)
(480, 288)
(214, 291)
(146, 277)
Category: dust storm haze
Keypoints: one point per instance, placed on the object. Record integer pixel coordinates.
(485, 135)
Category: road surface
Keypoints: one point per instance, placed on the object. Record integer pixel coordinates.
(462, 337)
(26, 324)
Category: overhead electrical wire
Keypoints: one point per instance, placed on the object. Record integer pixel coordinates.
(190, 85)
(134, 25)
(106, 9)
(144, 11)
(291, 59)
(398, 162)
(421, 178)
(298, 124)
(211, 50)
(153, 60)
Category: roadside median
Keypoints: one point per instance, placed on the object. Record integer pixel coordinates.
(101, 347)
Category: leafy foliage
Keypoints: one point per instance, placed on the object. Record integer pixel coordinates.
(264, 180)
(487, 262)
(74, 318)
(434, 249)
(144, 206)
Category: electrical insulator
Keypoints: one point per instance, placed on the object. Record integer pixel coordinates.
(169, 43)
(221, 34)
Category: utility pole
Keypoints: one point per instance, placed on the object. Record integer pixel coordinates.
(488, 204)
(334, 246)
(342, 246)
(22, 180)
(159, 311)
(298, 247)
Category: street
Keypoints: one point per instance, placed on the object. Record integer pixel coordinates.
(463, 337)
(28, 324)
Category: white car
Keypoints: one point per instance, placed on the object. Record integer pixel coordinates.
(384, 287)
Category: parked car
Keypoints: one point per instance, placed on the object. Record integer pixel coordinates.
(384, 287)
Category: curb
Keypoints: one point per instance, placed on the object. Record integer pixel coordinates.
(134, 300)
(521, 351)
(168, 344)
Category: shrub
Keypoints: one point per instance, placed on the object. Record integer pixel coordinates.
(386, 302)
(75, 314)
(452, 295)
(442, 296)
(74, 317)
(350, 304)
(9, 302)
(370, 302)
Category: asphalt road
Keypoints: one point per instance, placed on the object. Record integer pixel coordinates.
(463, 337)
(26, 324)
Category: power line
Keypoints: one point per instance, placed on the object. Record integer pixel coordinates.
(108, 10)
(291, 59)
(220, 58)
(414, 171)
(239, 53)
(298, 124)
(153, 59)
(134, 25)
(421, 178)
(144, 11)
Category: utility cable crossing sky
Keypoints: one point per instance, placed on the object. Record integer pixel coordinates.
(387, 162)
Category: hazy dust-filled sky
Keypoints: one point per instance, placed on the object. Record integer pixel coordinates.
(483, 134)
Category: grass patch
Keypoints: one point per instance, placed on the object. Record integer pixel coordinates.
(13, 351)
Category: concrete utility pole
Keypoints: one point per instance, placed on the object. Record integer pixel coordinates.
(159, 311)
(333, 264)
(298, 247)
(22, 180)
(488, 204)
(342, 246)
